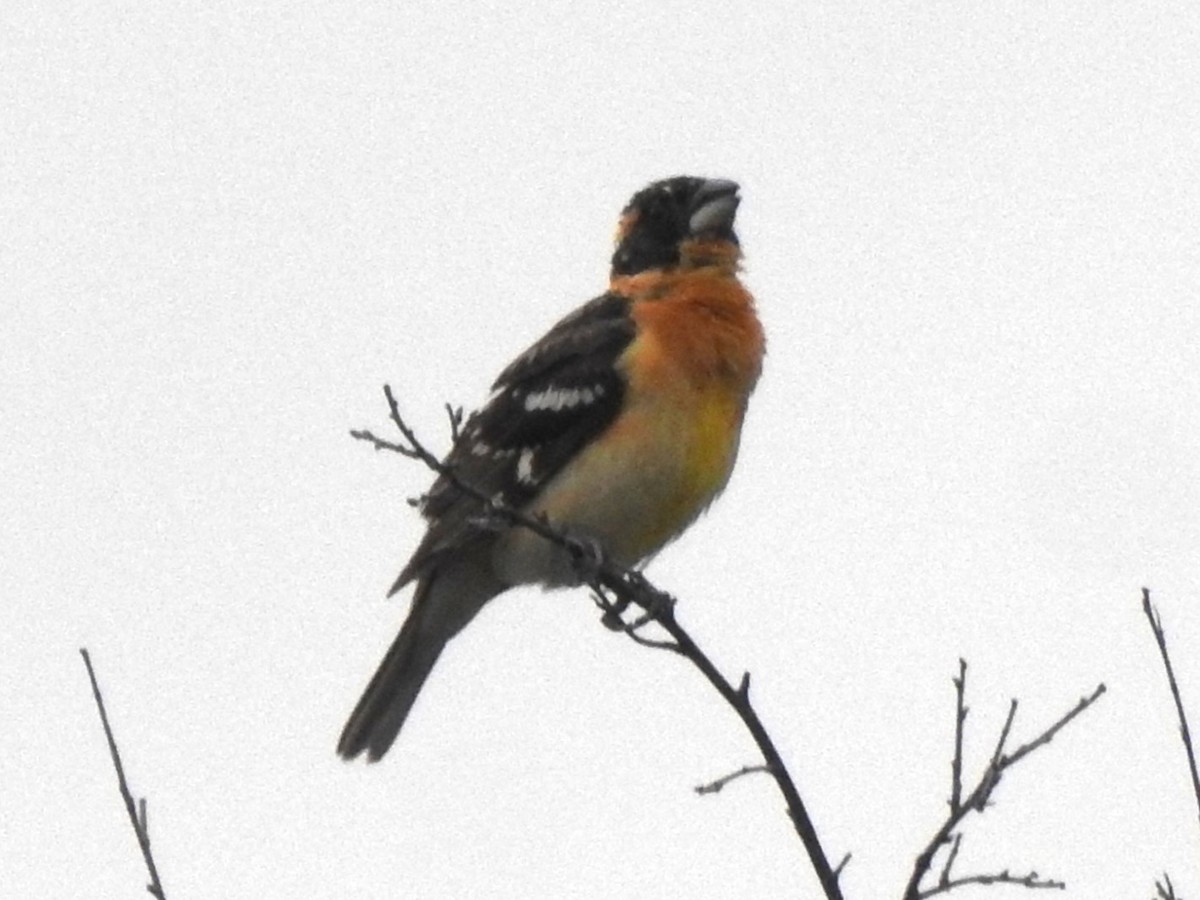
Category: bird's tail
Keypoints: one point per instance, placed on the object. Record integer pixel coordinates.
(446, 599)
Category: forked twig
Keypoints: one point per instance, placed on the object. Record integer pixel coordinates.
(1166, 890)
(978, 799)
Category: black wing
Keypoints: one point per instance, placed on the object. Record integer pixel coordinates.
(548, 404)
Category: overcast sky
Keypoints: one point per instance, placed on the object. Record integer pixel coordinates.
(975, 243)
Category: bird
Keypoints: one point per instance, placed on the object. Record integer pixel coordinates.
(619, 426)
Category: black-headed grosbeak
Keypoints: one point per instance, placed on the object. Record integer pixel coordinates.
(619, 426)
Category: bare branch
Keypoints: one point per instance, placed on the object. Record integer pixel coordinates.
(605, 578)
(1185, 734)
(139, 822)
(979, 799)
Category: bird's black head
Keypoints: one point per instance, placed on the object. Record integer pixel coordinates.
(668, 220)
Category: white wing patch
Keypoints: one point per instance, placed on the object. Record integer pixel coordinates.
(556, 399)
(483, 448)
(525, 467)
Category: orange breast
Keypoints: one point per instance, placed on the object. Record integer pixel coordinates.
(696, 358)
(696, 326)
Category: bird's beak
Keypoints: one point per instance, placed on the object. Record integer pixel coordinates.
(714, 207)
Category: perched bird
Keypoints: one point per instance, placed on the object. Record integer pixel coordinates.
(620, 426)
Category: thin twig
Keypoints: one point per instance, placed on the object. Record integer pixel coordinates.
(991, 775)
(1185, 734)
(714, 787)
(841, 867)
(960, 718)
(998, 753)
(950, 858)
(651, 642)
(1166, 891)
(455, 414)
(1032, 880)
(978, 800)
(139, 822)
(1048, 735)
(629, 586)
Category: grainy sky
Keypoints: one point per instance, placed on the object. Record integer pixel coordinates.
(974, 238)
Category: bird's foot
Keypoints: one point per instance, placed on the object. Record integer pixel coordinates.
(587, 557)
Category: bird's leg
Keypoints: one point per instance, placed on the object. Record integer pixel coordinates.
(587, 557)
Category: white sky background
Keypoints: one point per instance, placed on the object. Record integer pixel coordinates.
(974, 240)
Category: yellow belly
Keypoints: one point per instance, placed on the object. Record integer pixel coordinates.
(636, 488)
